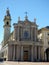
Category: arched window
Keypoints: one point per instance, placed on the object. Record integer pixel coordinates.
(7, 22)
(26, 34)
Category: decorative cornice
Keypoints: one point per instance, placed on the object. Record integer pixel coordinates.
(7, 26)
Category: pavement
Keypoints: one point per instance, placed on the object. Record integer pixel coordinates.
(23, 63)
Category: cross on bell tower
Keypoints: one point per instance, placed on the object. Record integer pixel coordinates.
(7, 12)
(26, 17)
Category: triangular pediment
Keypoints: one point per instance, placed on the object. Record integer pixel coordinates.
(27, 22)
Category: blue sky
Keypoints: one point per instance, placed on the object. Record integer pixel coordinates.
(38, 9)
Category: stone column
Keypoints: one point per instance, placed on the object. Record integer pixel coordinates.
(21, 53)
(32, 53)
(18, 33)
(31, 33)
(14, 34)
(39, 52)
(10, 52)
(14, 53)
(35, 52)
(18, 53)
(21, 33)
(35, 33)
(45, 56)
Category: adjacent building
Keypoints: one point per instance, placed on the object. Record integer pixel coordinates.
(43, 35)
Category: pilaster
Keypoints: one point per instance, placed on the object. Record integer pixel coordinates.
(14, 53)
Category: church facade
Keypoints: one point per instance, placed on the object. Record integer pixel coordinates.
(22, 44)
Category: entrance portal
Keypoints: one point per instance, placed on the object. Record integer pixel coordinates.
(47, 54)
(25, 56)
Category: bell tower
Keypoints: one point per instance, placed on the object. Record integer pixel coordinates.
(7, 25)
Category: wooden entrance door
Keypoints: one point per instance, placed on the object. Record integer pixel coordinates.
(47, 54)
(25, 55)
